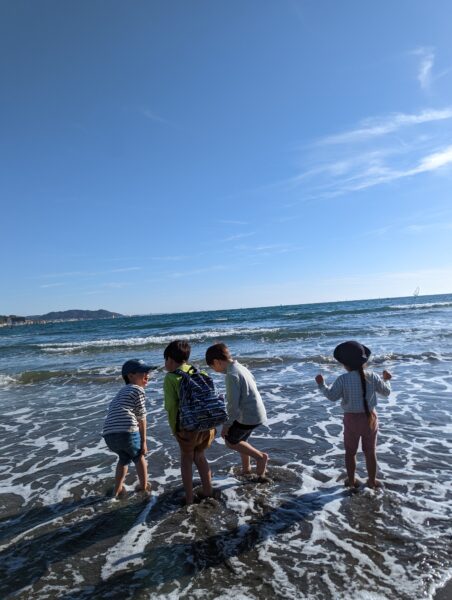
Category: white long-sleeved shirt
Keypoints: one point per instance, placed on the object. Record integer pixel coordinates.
(348, 387)
(244, 402)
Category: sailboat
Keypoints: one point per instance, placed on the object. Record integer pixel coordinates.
(416, 292)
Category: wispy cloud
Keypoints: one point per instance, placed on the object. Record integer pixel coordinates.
(152, 116)
(238, 236)
(199, 271)
(87, 273)
(51, 285)
(380, 150)
(230, 222)
(380, 126)
(427, 59)
(379, 174)
(425, 227)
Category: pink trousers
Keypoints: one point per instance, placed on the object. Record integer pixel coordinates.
(356, 426)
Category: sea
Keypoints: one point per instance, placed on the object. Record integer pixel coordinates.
(297, 534)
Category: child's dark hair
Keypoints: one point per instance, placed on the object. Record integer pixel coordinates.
(179, 351)
(218, 352)
(363, 386)
(126, 379)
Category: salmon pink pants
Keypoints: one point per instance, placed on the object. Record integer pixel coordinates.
(356, 427)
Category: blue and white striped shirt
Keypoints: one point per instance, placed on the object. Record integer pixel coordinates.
(125, 410)
(348, 387)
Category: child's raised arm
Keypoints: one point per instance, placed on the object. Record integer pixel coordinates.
(333, 392)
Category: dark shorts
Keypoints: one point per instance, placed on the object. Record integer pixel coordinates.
(239, 433)
(126, 445)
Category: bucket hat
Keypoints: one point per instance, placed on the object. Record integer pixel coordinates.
(352, 354)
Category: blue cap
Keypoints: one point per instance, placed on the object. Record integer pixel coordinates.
(136, 366)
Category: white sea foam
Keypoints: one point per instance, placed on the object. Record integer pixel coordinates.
(6, 380)
(421, 305)
(127, 553)
(152, 339)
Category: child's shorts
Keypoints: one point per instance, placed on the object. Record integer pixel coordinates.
(126, 445)
(189, 441)
(239, 432)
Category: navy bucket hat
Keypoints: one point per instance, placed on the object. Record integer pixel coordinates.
(352, 354)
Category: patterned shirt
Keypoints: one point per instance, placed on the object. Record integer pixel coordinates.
(348, 387)
(125, 410)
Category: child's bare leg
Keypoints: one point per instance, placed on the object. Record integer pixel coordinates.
(186, 469)
(350, 465)
(369, 449)
(120, 475)
(246, 466)
(371, 464)
(204, 472)
(142, 472)
(247, 449)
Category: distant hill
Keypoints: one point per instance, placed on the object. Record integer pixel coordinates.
(66, 315)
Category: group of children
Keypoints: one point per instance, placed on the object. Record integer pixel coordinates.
(125, 425)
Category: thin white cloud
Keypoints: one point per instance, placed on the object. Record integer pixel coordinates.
(125, 270)
(51, 285)
(87, 273)
(425, 67)
(371, 128)
(197, 271)
(238, 236)
(423, 227)
(152, 116)
(228, 222)
(377, 175)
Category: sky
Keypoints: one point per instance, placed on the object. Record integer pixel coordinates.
(164, 156)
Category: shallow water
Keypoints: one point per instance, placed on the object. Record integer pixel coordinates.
(299, 535)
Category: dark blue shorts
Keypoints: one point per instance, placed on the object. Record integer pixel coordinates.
(239, 432)
(126, 445)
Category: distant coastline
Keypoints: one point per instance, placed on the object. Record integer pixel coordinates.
(58, 317)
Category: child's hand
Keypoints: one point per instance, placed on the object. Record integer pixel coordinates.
(224, 431)
(319, 379)
(144, 448)
(387, 375)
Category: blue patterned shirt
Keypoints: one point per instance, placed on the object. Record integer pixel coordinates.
(348, 387)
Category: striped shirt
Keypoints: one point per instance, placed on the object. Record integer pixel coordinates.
(125, 410)
(348, 387)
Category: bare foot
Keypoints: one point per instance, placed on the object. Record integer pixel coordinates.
(242, 472)
(355, 483)
(261, 464)
(374, 484)
(138, 488)
(120, 492)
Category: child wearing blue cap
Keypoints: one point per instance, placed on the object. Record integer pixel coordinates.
(125, 425)
(358, 390)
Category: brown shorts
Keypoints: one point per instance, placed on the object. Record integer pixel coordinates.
(190, 441)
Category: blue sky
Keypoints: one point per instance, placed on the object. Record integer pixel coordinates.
(167, 156)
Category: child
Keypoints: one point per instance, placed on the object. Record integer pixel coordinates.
(358, 390)
(245, 408)
(125, 425)
(192, 444)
